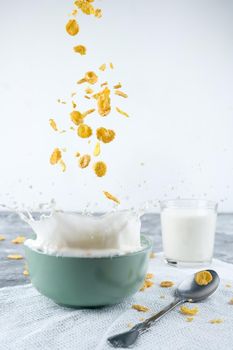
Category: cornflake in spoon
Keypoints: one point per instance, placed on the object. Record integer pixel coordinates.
(203, 278)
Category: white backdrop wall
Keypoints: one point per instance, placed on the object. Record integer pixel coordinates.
(175, 60)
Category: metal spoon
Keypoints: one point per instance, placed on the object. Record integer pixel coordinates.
(188, 290)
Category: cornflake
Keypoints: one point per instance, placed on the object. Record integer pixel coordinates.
(111, 197)
(26, 273)
(98, 13)
(88, 91)
(203, 278)
(83, 80)
(15, 256)
(111, 65)
(72, 27)
(77, 154)
(80, 49)
(100, 168)
(102, 67)
(149, 275)
(73, 94)
(18, 240)
(189, 319)
(74, 104)
(84, 131)
(166, 284)
(105, 135)
(140, 308)
(130, 325)
(147, 284)
(2, 238)
(63, 165)
(186, 311)
(117, 86)
(104, 84)
(55, 156)
(84, 161)
(74, 12)
(121, 93)
(228, 285)
(122, 112)
(91, 77)
(96, 151)
(85, 7)
(76, 117)
(89, 111)
(152, 255)
(53, 124)
(103, 102)
(231, 301)
(88, 97)
(216, 321)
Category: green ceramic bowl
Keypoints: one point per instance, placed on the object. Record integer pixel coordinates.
(88, 282)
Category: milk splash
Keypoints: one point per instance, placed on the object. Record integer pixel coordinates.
(84, 234)
(70, 234)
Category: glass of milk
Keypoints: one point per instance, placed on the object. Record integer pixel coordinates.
(188, 231)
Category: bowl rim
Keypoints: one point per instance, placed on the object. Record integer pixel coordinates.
(145, 241)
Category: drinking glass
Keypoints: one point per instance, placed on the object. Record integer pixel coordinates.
(188, 231)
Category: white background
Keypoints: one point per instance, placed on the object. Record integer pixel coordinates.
(175, 60)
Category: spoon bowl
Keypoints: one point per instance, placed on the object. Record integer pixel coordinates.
(189, 290)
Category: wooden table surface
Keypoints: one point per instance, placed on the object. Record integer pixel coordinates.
(11, 271)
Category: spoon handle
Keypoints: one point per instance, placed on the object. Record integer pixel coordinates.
(149, 321)
(127, 339)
